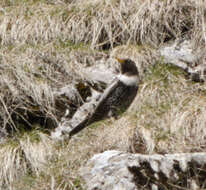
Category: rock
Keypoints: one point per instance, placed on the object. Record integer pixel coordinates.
(68, 126)
(96, 68)
(71, 93)
(198, 73)
(68, 94)
(71, 125)
(108, 171)
(67, 100)
(114, 170)
(179, 53)
(100, 75)
(182, 54)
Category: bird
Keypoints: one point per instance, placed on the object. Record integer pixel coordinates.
(118, 96)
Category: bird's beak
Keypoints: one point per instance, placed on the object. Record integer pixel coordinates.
(119, 60)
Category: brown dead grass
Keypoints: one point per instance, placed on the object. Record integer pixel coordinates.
(31, 76)
(102, 24)
(34, 161)
(25, 155)
(172, 110)
(166, 117)
(44, 45)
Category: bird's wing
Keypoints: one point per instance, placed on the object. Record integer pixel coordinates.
(81, 120)
(108, 91)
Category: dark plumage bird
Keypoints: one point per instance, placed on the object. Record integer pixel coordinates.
(120, 93)
(116, 98)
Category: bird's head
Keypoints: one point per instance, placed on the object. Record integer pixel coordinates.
(127, 67)
(129, 74)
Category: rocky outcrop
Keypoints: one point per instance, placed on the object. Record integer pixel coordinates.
(115, 170)
(183, 54)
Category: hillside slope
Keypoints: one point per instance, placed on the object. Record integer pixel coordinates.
(44, 45)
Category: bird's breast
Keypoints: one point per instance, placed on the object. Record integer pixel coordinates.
(129, 80)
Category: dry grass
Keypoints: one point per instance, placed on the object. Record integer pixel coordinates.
(172, 111)
(26, 84)
(25, 155)
(168, 113)
(102, 24)
(33, 161)
(30, 77)
(44, 45)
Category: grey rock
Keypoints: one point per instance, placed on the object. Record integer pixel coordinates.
(182, 54)
(100, 75)
(94, 67)
(119, 170)
(71, 93)
(68, 126)
(102, 173)
(67, 100)
(179, 53)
